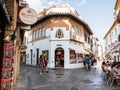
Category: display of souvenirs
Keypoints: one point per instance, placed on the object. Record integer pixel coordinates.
(80, 58)
(6, 85)
(72, 56)
(7, 64)
(6, 75)
(8, 54)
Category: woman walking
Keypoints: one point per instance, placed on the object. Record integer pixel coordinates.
(45, 64)
(41, 63)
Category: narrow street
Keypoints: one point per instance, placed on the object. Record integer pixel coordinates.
(59, 35)
(62, 79)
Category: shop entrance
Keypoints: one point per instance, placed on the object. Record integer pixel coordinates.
(59, 57)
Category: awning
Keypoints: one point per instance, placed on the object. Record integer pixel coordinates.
(79, 50)
(90, 52)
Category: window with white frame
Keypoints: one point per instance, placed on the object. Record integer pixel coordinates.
(33, 35)
(42, 32)
(39, 33)
(36, 34)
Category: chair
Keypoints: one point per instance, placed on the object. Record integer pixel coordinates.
(115, 77)
(105, 72)
(112, 76)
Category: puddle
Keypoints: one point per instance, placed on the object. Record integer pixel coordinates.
(86, 81)
(74, 88)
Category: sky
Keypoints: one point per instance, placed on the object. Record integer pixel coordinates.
(97, 13)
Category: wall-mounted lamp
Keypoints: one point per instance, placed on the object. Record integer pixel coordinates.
(10, 37)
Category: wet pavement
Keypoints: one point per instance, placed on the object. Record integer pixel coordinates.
(62, 79)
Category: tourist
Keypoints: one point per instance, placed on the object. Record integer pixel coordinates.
(46, 63)
(41, 63)
(94, 61)
(87, 62)
(116, 69)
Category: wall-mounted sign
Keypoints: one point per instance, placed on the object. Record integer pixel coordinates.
(28, 16)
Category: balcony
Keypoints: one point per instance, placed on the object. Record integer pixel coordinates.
(75, 37)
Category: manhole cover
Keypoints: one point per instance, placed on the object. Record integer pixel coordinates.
(74, 88)
(27, 71)
(59, 74)
(54, 69)
(58, 77)
(86, 81)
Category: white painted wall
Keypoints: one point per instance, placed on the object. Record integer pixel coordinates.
(51, 43)
(41, 45)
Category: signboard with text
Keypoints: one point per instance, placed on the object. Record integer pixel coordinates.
(28, 16)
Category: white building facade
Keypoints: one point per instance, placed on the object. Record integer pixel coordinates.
(112, 37)
(61, 36)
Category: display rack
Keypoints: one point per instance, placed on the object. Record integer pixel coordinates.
(7, 66)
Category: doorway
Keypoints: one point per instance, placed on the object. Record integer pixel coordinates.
(31, 51)
(59, 57)
(37, 57)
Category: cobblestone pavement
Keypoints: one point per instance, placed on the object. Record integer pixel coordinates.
(62, 79)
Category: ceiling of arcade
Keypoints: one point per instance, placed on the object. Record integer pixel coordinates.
(12, 11)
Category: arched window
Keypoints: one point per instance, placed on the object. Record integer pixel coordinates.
(42, 32)
(74, 30)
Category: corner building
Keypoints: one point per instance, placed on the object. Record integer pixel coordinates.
(61, 35)
(112, 37)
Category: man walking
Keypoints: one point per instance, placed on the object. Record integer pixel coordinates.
(87, 62)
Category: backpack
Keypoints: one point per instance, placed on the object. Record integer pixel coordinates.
(94, 60)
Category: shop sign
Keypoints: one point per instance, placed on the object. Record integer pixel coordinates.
(28, 16)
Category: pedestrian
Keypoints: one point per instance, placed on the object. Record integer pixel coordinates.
(41, 63)
(104, 67)
(46, 63)
(94, 62)
(87, 62)
(84, 62)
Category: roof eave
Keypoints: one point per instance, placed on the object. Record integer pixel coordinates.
(113, 25)
(77, 19)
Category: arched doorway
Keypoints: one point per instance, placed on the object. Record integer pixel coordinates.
(59, 57)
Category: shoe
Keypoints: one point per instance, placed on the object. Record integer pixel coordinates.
(40, 73)
(46, 71)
